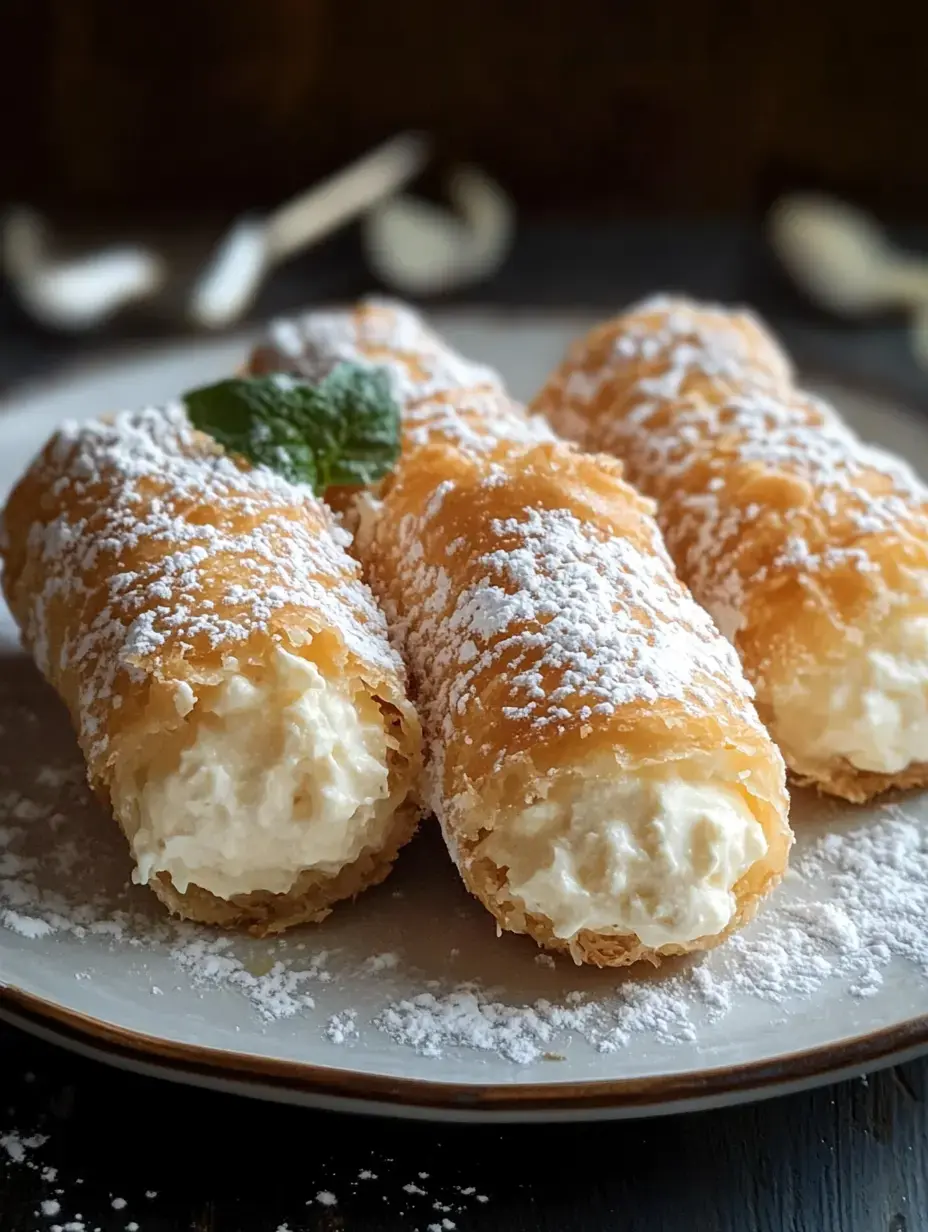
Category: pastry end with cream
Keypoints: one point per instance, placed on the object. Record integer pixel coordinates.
(614, 866)
(277, 771)
(860, 715)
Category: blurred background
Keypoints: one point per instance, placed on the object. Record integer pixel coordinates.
(606, 150)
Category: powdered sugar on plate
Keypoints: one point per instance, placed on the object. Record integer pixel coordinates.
(854, 902)
(59, 876)
(851, 914)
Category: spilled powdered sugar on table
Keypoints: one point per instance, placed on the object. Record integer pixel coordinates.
(59, 1195)
(854, 903)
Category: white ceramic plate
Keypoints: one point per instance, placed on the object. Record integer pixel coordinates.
(112, 978)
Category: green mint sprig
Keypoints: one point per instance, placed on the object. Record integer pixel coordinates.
(342, 432)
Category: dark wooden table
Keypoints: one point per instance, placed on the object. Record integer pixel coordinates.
(851, 1158)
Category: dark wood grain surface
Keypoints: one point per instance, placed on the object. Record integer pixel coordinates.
(852, 1158)
(667, 107)
(849, 1158)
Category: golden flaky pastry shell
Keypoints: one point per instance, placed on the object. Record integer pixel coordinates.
(795, 535)
(137, 558)
(493, 547)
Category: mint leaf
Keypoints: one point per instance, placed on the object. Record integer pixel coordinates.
(344, 431)
(365, 425)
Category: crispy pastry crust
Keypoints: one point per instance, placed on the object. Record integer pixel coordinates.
(793, 534)
(542, 624)
(137, 558)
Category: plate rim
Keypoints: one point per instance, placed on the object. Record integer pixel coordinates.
(398, 1095)
(392, 1095)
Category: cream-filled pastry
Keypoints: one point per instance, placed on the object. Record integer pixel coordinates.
(867, 705)
(277, 769)
(807, 546)
(657, 854)
(228, 672)
(593, 756)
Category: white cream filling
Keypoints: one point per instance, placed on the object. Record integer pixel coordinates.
(656, 855)
(869, 707)
(286, 770)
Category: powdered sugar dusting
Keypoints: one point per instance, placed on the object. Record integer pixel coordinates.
(474, 420)
(138, 561)
(16, 1146)
(567, 611)
(382, 332)
(331, 1180)
(59, 878)
(699, 403)
(423, 372)
(555, 595)
(343, 1027)
(854, 903)
(210, 961)
(853, 907)
(574, 623)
